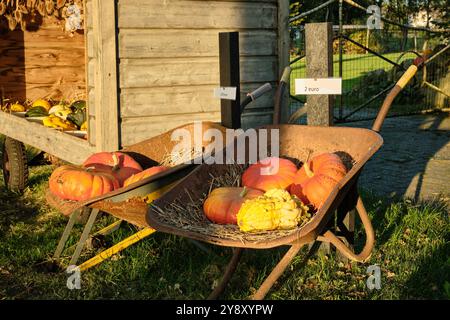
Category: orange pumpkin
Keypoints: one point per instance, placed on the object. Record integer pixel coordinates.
(120, 165)
(268, 174)
(316, 179)
(75, 183)
(144, 174)
(223, 204)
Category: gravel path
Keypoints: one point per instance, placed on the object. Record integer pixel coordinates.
(415, 159)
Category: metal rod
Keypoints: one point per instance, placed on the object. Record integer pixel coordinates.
(277, 271)
(432, 86)
(297, 59)
(295, 98)
(341, 107)
(138, 236)
(373, 52)
(437, 54)
(67, 230)
(200, 246)
(368, 102)
(304, 14)
(87, 229)
(231, 268)
(105, 231)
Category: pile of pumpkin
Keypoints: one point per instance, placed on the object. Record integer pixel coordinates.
(276, 194)
(101, 173)
(63, 116)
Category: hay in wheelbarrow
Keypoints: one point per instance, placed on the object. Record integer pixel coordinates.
(180, 212)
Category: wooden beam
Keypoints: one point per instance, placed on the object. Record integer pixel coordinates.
(57, 143)
(230, 77)
(105, 75)
(319, 64)
(283, 53)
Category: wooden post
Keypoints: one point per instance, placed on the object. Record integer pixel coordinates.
(105, 76)
(230, 77)
(319, 64)
(367, 38)
(283, 54)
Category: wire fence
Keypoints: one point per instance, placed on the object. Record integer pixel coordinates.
(372, 61)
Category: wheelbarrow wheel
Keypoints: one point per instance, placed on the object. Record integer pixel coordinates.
(14, 165)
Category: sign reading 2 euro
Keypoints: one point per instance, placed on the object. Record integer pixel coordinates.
(309, 86)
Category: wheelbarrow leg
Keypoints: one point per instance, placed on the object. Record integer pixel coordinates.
(87, 229)
(68, 229)
(231, 268)
(277, 271)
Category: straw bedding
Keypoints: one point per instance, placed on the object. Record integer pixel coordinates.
(188, 215)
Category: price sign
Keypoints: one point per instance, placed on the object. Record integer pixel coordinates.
(228, 93)
(309, 86)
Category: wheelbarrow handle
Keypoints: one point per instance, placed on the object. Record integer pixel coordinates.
(401, 83)
(329, 236)
(255, 94)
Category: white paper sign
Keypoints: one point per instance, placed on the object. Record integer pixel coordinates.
(228, 93)
(318, 86)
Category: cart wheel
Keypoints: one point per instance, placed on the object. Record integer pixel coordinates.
(14, 164)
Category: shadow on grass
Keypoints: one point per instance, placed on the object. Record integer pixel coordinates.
(38, 178)
(428, 280)
(14, 208)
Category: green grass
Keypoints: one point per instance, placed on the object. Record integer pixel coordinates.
(355, 66)
(412, 250)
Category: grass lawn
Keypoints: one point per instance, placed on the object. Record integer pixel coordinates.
(412, 250)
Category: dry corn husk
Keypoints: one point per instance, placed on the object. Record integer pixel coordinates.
(60, 3)
(2, 8)
(31, 4)
(23, 9)
(18, 16)
(41, 8)
(23, 25)
(18, 11)
(12, 23)
(49, 7)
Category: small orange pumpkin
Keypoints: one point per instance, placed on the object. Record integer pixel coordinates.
(119, 164)
(74, 183)
(268, 174)
(316, 179)
(144, 174)
(223, 204)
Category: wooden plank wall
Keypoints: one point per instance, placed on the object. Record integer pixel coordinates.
(90, 64)
(46, 63)
(168, 52)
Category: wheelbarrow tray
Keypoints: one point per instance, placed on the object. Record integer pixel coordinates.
(354, 145)
(126, 202)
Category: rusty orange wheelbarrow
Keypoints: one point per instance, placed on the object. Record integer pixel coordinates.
(129, 203)
(179, 211)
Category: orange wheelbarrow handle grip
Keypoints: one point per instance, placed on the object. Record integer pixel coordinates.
(329, 236)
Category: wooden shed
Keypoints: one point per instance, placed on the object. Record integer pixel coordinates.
(149, 66)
